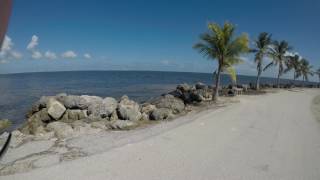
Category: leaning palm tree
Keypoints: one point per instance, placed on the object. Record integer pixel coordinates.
(293, 63)
(278, 53)
(261, 49)
(305, 70)
(221, 44)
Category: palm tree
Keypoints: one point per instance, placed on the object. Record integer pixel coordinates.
(278, 53)
(293, 63)
(221, 44)
(262, 46)
(305, 70)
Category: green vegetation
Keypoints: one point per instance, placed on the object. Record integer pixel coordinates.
(294, 64)
(221, 44)
(305, 70)
(278, 52)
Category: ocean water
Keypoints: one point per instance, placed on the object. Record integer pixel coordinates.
(19, 91)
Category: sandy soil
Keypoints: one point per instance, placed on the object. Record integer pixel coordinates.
(273, 136)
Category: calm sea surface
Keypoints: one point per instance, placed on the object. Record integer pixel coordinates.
(19, 91)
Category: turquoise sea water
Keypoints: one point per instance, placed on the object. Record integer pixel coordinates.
(19, 91)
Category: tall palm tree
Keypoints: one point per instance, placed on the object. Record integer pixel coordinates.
(305, 70)
(221, 44)
(261, 49)
(278, 53)
(293, 63)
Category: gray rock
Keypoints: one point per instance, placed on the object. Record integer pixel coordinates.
(110, 105)
(55, 109)
(103, 108)
(91, 99)
(73, 115)
(147, 108)
(128, 110)
(114, 116)
(170, 102)
(61, 130)
(34, 122)
(200, 95)
(37, 106)
(161, 114)
(73, 102)
(43, 102)
(183, 87)
(122, 125)
(145, 117)
(200, 85)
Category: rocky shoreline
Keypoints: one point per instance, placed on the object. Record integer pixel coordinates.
(65, 116)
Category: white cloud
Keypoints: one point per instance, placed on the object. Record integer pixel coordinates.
(16, 55)
(7, 53)
(33, 43)
(50, 55)
(69, 54)
(36, 55)
(7, 44)
(292, 54)
(87, 56)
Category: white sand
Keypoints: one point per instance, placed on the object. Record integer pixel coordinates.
(273, 136)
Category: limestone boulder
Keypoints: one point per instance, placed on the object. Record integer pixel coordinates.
(168, 101)
(73, 102)
(55, 109)
(161, 114)
(103, 109)
(73, 115)
(128, 110)
(147, 108)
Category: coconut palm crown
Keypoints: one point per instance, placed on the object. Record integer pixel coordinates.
(261, 49)
(220, 43)
(294, 64)
(278, 53)
(305, 69)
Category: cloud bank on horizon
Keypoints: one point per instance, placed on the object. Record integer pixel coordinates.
(8, 53)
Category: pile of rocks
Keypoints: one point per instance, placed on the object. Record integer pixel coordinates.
(70, 115)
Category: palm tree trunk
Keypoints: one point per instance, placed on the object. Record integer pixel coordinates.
(258, 80)
(278, 79)
(215, 94)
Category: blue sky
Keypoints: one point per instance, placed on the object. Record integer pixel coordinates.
(147, 35)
